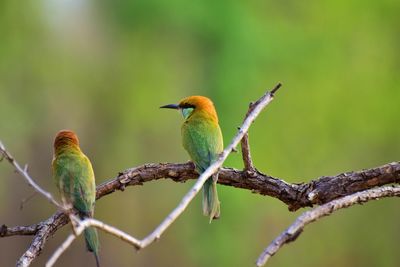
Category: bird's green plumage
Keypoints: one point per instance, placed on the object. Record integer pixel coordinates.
(202, 139)
(74, 177)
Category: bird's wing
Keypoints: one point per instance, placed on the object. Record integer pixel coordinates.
(75, 179)
(203, 142)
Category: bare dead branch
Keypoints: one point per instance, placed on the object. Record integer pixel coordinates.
(45, 230)
(176, 212)
(36, 247)
(296, 195)
(319, 191)
(293, 232)
(328, 187)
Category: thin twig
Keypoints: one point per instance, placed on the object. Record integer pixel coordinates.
(27, 199)
(247, 161)
(24, 173)
(293, 232)
(81, 226)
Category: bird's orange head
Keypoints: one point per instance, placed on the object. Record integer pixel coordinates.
(65, 139)
(196, 105)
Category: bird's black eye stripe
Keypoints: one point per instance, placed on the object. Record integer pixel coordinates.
(186, 105)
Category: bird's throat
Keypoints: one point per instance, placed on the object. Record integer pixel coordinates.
(186, 112)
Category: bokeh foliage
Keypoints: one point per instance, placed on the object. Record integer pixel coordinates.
(102, 68)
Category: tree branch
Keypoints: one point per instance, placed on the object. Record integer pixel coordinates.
(41, 236)
(45, 230)
(247, 161)
(18, 230)
(293, 232)
(212, 169)
(319, 191)
(294, 195)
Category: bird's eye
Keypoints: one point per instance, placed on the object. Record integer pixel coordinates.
(186, 112)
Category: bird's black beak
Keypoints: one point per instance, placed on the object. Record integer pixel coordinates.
(171, 106)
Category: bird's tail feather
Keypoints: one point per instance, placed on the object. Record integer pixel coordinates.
(211, 204)
(96, 256)
(92, 242)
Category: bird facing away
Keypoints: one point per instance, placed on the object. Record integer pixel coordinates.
(74, 177)
(202, 139)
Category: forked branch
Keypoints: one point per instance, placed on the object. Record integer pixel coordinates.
(293, 232)
(327, 191)
(81, 225)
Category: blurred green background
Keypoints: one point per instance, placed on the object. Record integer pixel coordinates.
(102, 68)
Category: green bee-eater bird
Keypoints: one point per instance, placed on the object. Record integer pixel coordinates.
(74, 177)
(202, 139)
